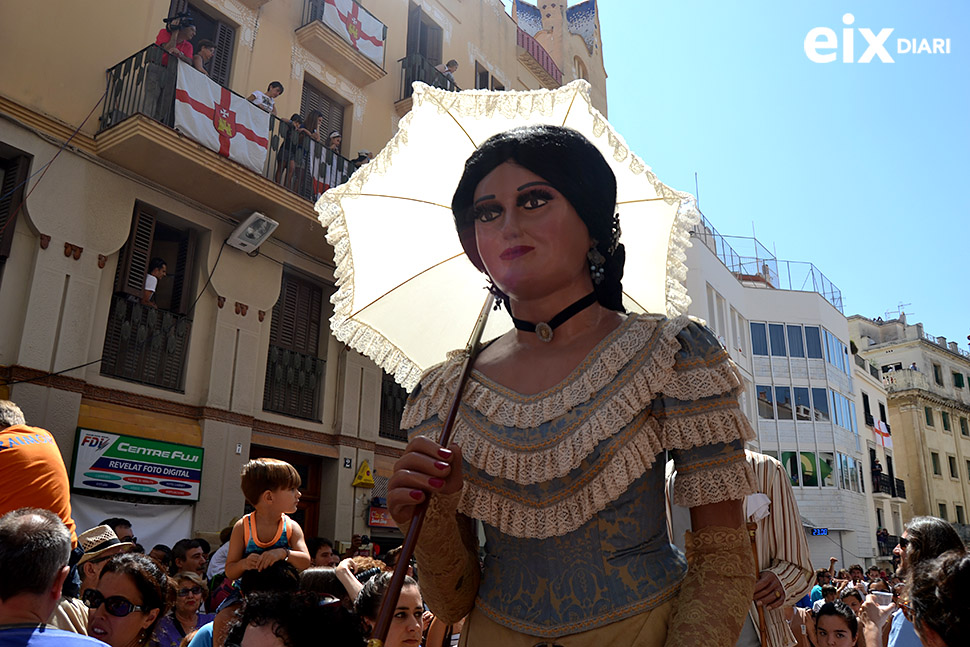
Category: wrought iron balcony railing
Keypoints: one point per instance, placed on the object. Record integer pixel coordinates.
(293, 383)
(145, 84)
(417, 68)
(146, 345)
(900, 491)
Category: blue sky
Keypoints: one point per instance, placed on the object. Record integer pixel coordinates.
(859, 168)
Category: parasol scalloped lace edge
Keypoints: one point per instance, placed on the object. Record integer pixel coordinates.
(370, 342)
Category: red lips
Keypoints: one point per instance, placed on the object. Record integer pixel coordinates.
(515, 252)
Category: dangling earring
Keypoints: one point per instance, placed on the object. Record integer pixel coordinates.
(496, 293)
(596, 260)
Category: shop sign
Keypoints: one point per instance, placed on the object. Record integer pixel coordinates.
(380, 518)
(119, 464)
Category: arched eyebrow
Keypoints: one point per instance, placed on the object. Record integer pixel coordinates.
(537, 183)
(490, 196)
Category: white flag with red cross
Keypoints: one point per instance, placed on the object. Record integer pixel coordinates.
(357, 26)
(218, 119)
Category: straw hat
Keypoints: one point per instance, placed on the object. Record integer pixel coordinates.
(97, 541)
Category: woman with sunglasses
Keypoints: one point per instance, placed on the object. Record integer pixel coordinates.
(133, 594)
(185, 617)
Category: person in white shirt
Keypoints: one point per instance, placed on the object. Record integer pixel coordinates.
(157, 269)
(267, 100)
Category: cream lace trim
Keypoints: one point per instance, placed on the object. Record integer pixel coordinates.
(713, 485)
(704, 382)
(568, 514)
(481, 104)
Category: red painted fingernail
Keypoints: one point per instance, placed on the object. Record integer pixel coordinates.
(436, 482)
(417, 495)
(440, 465)
(444, 453)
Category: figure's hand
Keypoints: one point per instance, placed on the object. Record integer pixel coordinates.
(768, 590)
(425, 468)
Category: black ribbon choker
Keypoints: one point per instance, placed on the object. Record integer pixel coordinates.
(544, 330)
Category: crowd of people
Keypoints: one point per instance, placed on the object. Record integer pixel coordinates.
(559, 450)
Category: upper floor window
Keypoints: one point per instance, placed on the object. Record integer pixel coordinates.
(813, 342)
(424, 35)
(14, 167)
(795, 346)
(958, 380)
(579, 69)
(776, 334)
(938, 374)
(220, 33)
(759, 339)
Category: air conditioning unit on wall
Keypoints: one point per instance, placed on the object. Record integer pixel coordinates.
(252, 232)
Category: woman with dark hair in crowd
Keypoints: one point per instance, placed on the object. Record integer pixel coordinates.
(133, 594)
(406, 625)
(924, 539)
(939, 600)
(836, 625)
(191, 592)
(276, 619)
(559, 444)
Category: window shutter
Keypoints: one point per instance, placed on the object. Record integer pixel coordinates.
(181, 290)
(133, 263)
(333, 112)
(221, 62)
(414, 30)
(11, 199)
(435, 39)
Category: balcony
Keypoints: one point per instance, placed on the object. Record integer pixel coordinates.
(353, 44)
(900, 491)
(417, 68)
(146, 345)
(137, 132)
(763, 270)
(882, 483)
(537, 60)
(887, 544)
(293, 383)
(904, 380)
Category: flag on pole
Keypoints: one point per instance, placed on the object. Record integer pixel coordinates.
(884, 436)
(218, 119)
(357, 26)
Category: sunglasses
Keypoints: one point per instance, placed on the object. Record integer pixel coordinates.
(903, 542)
(115, 604)
(195, 590)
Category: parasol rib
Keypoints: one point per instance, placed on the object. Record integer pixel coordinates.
(570, 108)
(403, 283)
(640, 200)
(396, 197)
(457, 123)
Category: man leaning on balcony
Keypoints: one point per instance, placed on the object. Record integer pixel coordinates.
(175, 37)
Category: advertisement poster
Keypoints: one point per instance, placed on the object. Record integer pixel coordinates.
(128, 465)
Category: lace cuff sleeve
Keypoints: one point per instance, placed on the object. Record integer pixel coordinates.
(702, 423)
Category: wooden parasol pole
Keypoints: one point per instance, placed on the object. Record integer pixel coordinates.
(389, 602)
(762, 626)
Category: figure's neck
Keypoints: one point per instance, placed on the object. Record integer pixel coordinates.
(21, 610)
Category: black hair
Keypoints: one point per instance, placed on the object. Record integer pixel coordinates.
(275, 84)
(297, 619)
(115, 522)
(154, 264)
(156, 588)
(205, 42)
(167, 563)
(930, 537)
(180, 550)
(852, 592)
(368, 601)
(297, 117)
(828, 589)
(204, 545)
(576, 168)
(939, 595)
(279, 576)
(323, 581)
(315, 543)
(842, 610)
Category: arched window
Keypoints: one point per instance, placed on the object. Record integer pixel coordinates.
(579, 69)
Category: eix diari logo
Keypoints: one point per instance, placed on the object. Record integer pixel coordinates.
(822, 44)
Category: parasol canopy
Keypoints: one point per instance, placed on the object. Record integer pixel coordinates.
(406, 293)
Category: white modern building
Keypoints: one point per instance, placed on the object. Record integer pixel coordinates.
(783, 325)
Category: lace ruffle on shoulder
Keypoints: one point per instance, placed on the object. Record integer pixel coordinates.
(530, 440)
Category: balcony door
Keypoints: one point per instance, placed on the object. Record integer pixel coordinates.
(333, 112)
(221, 33)
(425, 37)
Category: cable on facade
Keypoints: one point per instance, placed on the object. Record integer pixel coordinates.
(47, 375)
(188, 312)
(43, 169)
